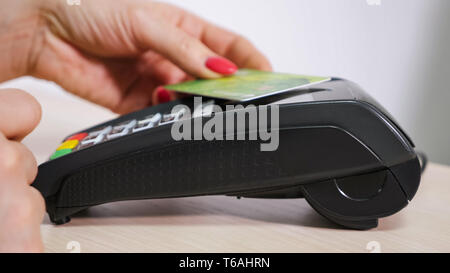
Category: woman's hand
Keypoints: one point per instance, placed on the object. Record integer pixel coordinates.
(116, 53)
(21, 206)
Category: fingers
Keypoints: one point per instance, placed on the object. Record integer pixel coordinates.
(159, 68)
(182, 49)
(24, 204)
(38, 204)
(138, 96)
(21, 206)
(20, 113)
(103, 81)
(22, 210)
(17, 163)
(162, 95)
(234, 47)
(222, 42)
(83, 62)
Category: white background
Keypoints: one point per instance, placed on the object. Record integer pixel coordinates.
(398, 51)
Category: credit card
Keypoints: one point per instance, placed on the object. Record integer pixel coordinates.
(246, 84)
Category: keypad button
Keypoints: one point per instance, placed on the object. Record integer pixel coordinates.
(60, 153)
(121, 130)
(96, 137)
(89, 138)
(147, 123)
(84, 145)
(68, 144)
(167, 118)
(101, 131)
(78, 137)
(172, 117)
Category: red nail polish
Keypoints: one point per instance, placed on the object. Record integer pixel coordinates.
(221, 65)
(163, 95)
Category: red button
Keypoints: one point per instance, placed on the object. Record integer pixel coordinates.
(79, 136)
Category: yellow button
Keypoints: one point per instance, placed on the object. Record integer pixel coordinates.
(69, 144)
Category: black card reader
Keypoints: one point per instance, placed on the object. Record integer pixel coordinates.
(338, 149)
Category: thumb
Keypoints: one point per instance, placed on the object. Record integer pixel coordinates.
(182, 49)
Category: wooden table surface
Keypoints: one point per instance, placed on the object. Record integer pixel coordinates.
(225, 224)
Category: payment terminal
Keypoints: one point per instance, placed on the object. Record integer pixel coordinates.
(338, 148)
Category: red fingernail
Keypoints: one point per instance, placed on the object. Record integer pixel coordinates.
(221, 65)
(163, 95)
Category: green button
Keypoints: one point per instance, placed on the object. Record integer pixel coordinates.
(60, 153)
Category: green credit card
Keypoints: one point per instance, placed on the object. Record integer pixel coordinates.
(246, 85)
